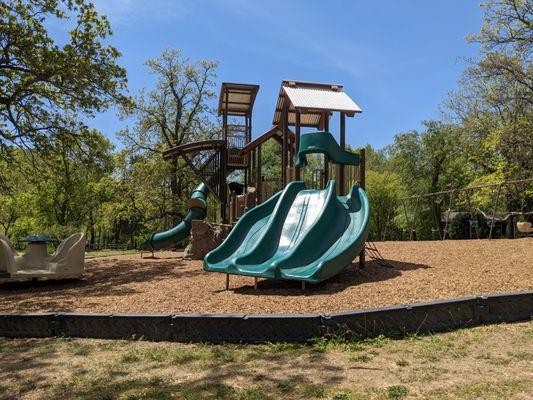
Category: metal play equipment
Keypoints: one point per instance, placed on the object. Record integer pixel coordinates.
(66, 263)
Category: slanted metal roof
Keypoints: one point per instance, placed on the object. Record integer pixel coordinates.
(240, 98)
(313, 100)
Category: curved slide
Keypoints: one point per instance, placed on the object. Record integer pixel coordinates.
(299, 234)
(172, 237)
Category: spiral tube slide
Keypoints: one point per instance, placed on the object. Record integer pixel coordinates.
(174, 236)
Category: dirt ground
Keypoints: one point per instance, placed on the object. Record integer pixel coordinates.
(484, 363)
(423, 271)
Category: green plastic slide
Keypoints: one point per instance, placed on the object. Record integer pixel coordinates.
(173, 237)
(298, 234)
(324, 143)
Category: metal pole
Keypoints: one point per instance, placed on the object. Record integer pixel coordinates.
(448, 216)
(494, 210)
(414, 221)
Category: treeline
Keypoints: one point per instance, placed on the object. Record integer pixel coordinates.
(58, 176)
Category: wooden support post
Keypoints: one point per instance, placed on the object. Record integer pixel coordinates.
(297, 141)
(253, 170)
(223, 187)
(227, 281)
(325, 118)
(362, 170)
(258, 179)
(255, 283)
(223, 164)
(342, 178)
(248, 140)
(303, 285)
(285, 119)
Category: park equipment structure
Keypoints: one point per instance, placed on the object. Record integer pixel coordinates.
(300, 104)
(171, 238)
(66, 263)
(507, 201)
(307, 235)
(211, 161)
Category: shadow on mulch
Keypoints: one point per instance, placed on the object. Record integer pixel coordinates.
(351, 276)
(110, 281)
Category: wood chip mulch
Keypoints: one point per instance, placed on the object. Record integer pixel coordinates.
(423, 271)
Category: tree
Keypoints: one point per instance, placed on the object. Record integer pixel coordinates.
(384, 190)
(494, 104)
(46, 87)
(429, 161)
(176, 111)
(506, 38)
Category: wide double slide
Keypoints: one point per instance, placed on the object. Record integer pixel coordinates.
(298, 234)
(173, 237)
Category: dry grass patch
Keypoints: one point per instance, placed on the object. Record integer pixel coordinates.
(488, 362)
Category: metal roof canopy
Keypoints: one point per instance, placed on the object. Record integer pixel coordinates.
(312, 99)
(240, 101)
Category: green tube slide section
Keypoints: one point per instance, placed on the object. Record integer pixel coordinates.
(299, 234)
(174, 236)
(325, 143)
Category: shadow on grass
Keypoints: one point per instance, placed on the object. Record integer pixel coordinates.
(152, 376)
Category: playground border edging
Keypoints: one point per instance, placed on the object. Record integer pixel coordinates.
(260, 328)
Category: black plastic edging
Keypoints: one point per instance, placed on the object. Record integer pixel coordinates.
(260, 328)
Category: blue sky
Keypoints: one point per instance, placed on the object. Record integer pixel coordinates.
(396, 59)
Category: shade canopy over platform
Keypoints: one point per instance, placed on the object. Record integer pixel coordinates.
(237, 98)
(315, 101)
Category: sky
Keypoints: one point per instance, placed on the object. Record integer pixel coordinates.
(396, 59)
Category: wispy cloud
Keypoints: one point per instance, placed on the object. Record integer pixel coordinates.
(127, 12)
(288, 31)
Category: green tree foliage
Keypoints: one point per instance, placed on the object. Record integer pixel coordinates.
(61, 194)
(47, 90)
(47, 87)
(494, 104)
(175, 111)
(384, 190)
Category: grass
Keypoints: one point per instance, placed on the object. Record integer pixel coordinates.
(484, 362)
(397, 392)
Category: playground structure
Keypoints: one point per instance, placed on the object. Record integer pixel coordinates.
(295, 214)
(66, 263)
(172, 237)
(513, 196)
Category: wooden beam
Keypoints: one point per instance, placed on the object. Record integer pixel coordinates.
(199, 175)
(297, 142)
(285, 119)
(341, 179)
(362, 171)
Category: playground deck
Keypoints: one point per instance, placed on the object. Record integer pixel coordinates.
(423, 271)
